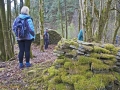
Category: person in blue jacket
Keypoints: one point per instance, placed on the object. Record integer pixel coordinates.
(24, 44)
(80, 35)
(117, 38)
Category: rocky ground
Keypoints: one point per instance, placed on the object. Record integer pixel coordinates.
(10, 72)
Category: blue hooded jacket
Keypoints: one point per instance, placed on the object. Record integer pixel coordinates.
(80, 35)
(30, 27)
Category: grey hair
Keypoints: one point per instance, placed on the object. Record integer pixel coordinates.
(25, 10)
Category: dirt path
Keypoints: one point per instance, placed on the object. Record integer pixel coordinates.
(10, 70)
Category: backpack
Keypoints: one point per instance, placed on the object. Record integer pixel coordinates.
(20, 27)
(46, 36)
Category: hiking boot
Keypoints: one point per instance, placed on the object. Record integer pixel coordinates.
(21, 65)
(28, 65)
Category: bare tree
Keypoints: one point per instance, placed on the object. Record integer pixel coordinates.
(7, 42)
(41, 14)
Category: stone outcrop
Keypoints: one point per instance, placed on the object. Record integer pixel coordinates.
(79, 66)
(100, 59)
(54, 37)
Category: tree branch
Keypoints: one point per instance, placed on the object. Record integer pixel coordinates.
(115, 9)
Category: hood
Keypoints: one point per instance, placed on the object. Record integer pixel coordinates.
(22, 16)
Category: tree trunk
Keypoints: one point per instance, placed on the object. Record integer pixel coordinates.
(103, 19)
(27, 3)
(16, 8)
(21, 4)
(81, 4)
(117, 22)
(60, 16)
(41, 25)
(7, 42)
(9, 24)
(79, 20)
(66, 19)
(93, 4)
(82, 16)
(2, 47)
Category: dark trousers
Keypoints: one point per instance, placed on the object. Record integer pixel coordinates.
(46, 42)
(24, 47)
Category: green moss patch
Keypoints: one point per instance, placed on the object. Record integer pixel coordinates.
(92, 72)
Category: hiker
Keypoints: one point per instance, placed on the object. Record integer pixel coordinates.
(80, 35)
(46, 39)
(24, 42)
(117, 39)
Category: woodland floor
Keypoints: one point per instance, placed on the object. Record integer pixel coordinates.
(11, 72)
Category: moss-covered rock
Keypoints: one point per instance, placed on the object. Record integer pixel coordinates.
(102, 56)
(87, 72)
(100, 50)
(54, 37)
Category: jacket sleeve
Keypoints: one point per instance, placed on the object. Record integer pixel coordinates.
(31, 27)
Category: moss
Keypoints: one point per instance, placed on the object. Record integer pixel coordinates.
(100, 50)
(72, 42)
(85, 85)
(98, 81)
(45, 71)
(81, 69)
(71, 54)
(76, 74)
(87, 48)
(115, 51)
(39, 80)
(117, 76)
(95, 55)
(54, 37)
(59, 44)
(117, 48)
(88, 74)
(51, 87)
(110, 62)
(87, 60)
(61, 57)
(61, 86)
(57, 79)
(62, 71)
(68, 65)
(104, 78)
(52, 71)
(59, 61)
(84, 60)
(71, 79)
(31, 72)
(102, 56)
(33, 88)
(100, 66)
(49, 73)
(96, 63)
(66, 43)
(109, 46)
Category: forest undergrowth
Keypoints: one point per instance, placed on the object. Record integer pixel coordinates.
(11, 77)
